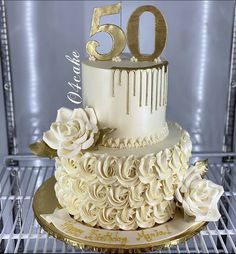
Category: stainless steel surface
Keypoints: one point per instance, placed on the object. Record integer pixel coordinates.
(3, 49)
(210, 240)
(198, 49)
(229, 139)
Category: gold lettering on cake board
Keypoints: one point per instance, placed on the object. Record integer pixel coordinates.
(70, 228)
(108, 237)
(152, 235)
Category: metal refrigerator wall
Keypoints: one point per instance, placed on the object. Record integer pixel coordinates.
(41, 33)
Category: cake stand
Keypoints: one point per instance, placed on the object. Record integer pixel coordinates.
(80, 235)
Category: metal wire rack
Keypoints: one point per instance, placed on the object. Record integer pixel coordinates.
(25, 235)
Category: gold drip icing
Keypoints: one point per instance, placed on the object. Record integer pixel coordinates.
(163, 86)
(166, 95)
(156, 84)
(154, 93)
(134, 91)
(152, 73)
(127, 96)
(147, 84)
(159, 88)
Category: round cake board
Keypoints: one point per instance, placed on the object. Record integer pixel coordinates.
(83, 236)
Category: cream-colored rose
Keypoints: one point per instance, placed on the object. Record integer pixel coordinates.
(88, 164)
(199, 197)
(148, 169)
(185, 143)
(70, 166)
(127, 173)
(107, 218)
(163, 169)
(145, 217)
(136, 195)
(98, 195)
(118, 196)
(168, 188)
(164, 211)
(72, 132)
(88, 213)
(60, 171)
(154, 193)
(126, 218)
(177, 167)
(107, 172)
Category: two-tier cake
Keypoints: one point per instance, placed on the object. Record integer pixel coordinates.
(119, 163)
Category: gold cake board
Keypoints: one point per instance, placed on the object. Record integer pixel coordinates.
(80, 235)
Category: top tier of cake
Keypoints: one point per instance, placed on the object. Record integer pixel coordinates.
(130, 97)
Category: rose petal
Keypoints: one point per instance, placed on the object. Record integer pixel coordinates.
(79, 113)
(82, 139)
(50, 139)
(63, 115)
(63, 152)
(92, 115)
(88, 143)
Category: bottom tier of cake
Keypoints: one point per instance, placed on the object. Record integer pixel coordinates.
(125, 188)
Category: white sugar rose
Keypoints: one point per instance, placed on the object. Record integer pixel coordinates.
(72, 132)
(199, 196)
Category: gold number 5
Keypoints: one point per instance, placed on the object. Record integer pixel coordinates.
(118, 36)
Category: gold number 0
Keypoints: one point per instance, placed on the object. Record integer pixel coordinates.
(118, 36)
(133, 33)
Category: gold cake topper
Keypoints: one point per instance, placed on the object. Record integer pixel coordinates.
(118, 35)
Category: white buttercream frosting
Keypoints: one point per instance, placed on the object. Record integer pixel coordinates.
(130, 192)
(72, 132)
(116, 59)
(116, 142)
(133, 59)
(121, 192)
(199, 197)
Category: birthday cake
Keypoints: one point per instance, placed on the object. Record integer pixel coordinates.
(119, 163)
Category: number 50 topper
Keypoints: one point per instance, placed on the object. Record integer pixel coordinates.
(118, 35)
